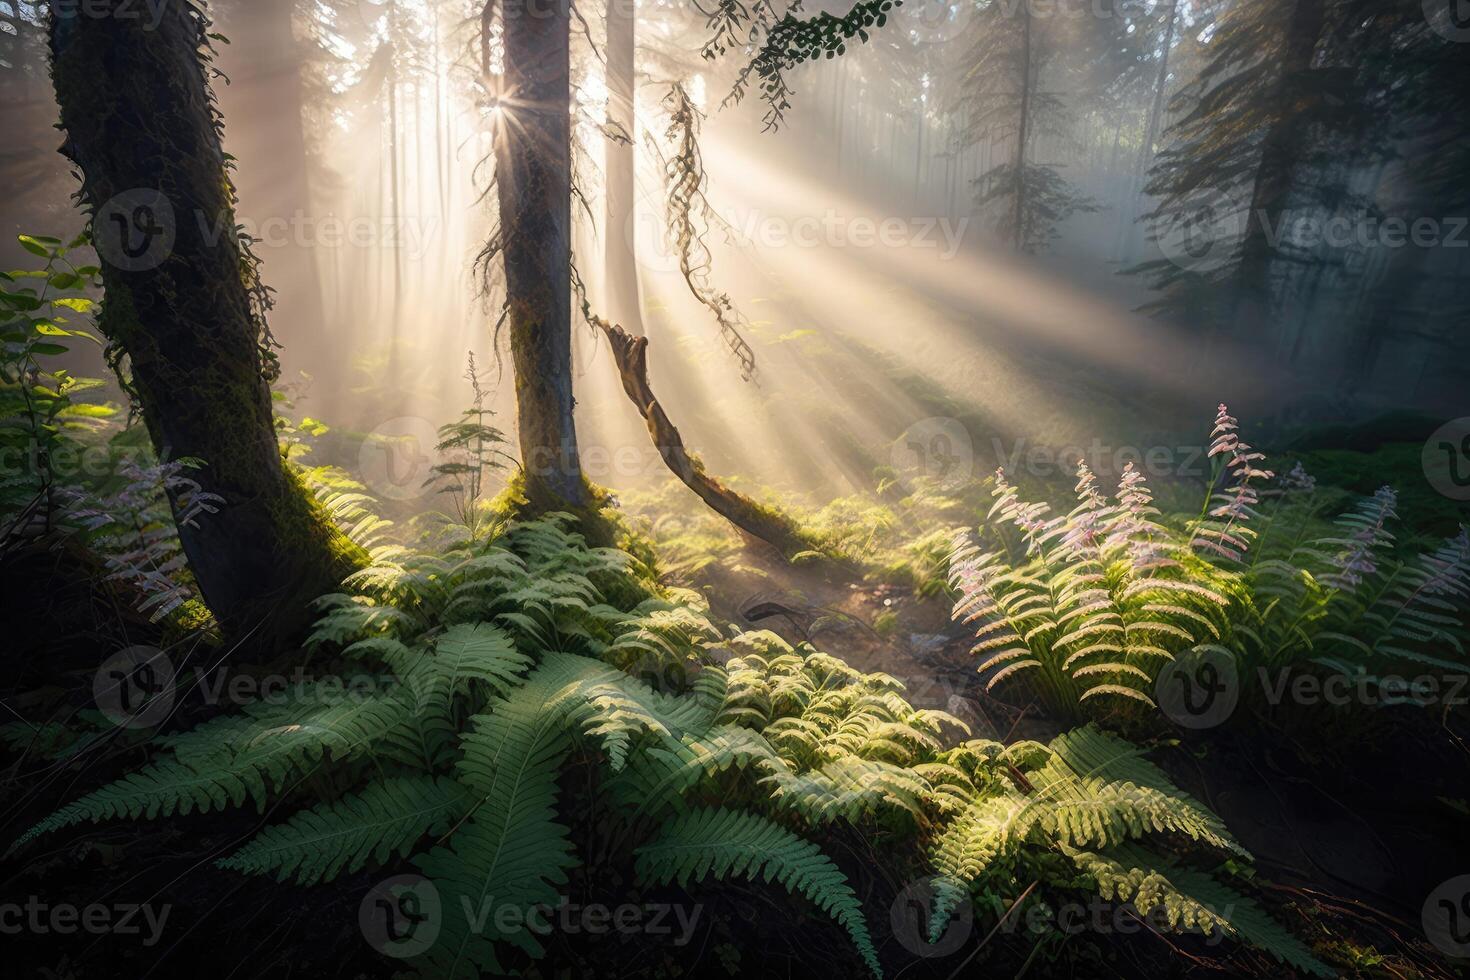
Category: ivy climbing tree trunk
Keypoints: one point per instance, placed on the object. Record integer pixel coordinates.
(533, 186)
(183, 303)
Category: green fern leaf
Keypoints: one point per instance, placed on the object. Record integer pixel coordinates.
(385, 818)
(729, 843)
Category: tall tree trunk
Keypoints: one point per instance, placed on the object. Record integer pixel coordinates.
(395, 205)
(1282, 150)
(919, 152)
(1161, 88)
(619, 219)
(533, 184)
(1023, 124)
(440, 172)
(138, 115)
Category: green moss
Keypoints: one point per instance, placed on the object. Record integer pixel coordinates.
(302, 522)
(598, 521)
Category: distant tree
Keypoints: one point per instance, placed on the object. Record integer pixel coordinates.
(1282, 102)
(620, 267)
(1423, 83)
(1006, 95)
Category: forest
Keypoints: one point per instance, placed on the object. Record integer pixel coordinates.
(735, 488)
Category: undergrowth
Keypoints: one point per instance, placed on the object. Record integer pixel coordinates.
(1093, 607)
(508, 659)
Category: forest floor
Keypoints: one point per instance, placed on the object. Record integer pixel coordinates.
(1348, 836)
(1351, 825)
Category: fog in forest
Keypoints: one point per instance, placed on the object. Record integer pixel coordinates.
(865, 241)
(684, 488)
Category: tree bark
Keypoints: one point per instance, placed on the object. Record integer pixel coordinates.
(1150, 136)
(533, 185)
(754, 521)
(179, 294)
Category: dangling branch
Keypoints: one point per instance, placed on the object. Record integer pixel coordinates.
(753, 520)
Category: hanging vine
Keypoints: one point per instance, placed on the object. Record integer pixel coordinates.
(689, 216)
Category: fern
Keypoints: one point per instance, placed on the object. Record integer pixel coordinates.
(385, 818)
(512, 658)
(229, 760)
(1095, 607)
(512, 851)
(162, 789)
(1084, 610)
(1191, 899)
(727, 843)
(1086, 790)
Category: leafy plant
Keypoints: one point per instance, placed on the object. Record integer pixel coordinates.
(474, 450)
(1093, 798)
(80, 474)
(129, 523)
(1094, 603)
(504, 661)
(40, 416)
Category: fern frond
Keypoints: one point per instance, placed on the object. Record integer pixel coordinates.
(511, 851)
(1191, 899)
(728, 843)
(385, 818)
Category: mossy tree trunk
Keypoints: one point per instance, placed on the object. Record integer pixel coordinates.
(533, 183)
(182, 301)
